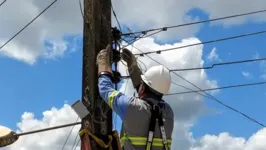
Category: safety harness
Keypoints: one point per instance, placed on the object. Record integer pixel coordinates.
(150, 141)
(156, 115)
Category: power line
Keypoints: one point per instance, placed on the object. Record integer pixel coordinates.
(203, 95)
(80, 7)
(75, 142)
(125, 77)
(197, 22)
(224, 87)
(28, 24)
(69, 134)
(138, 38)
(220, 102)
(221, 64)
(47, 129)
(76, 145)
(116, 17)
(212, 97)
(2, 2)
(205, 42)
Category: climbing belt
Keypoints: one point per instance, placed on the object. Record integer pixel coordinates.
(112, 145)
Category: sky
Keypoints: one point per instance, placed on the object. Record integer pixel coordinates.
(41, 68)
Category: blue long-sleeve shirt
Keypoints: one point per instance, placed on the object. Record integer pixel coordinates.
(115, 99)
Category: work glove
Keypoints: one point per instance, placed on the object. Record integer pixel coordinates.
(133, 69)
(103, 61)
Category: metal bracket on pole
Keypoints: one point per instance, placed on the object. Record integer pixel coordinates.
(80, 109)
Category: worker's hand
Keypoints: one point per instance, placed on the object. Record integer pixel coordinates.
(103, 60)
(133, 69)
(128, 57)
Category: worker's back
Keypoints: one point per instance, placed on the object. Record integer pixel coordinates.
(136, 125)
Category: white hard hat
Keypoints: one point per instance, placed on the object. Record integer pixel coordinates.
(158, 78)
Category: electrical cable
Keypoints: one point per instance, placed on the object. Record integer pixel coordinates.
(212, 97)
(142, 37)
(218, 88)
(197, 22)
(81, 11)
(2, 2)
(77, 145)
(205, 42)
(28, 24)
(47, 129)
(69, 134)
(126, 77)
(203, 95)
(75, 142)
(116, 17)
(221, 64)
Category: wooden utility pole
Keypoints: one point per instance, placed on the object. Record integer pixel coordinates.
(96, 36)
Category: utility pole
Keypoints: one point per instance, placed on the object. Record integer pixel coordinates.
(96, 36)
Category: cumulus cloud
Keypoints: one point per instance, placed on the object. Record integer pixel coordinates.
(224, 141)
(52, 140)
(44, 37)
(213, 56)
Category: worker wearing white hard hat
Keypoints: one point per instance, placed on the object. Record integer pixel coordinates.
(148, 121)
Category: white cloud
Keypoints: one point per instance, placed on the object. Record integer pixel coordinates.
(217, 8)
(52, 140)
(256, 56)
(263, 70)
(224, 141)
(52, 25)
(245, 74)
(213, 56)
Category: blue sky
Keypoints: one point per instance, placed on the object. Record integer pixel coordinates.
(36, 88)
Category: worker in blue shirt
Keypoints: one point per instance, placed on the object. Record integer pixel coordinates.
(148, 121)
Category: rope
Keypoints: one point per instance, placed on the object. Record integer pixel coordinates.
(97, 140)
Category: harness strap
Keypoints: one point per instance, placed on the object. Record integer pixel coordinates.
(156, 113)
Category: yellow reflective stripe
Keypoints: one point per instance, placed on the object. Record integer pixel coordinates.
(111, 98)
(144, 139)
(141, 141)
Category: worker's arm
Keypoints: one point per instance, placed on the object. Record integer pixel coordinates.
(115, 99)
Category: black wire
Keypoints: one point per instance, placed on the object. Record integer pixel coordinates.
(212, 97)
(188, 89)
(116, 17)
(47, 129)
(206, 42)
(219, 88)
(141, 37)
(220, 64)
(28, 24)
(75, 141)
(2, 2)
(69, 134)
(126, 77)
(77, 145)
(80, 7)
(197, 22)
